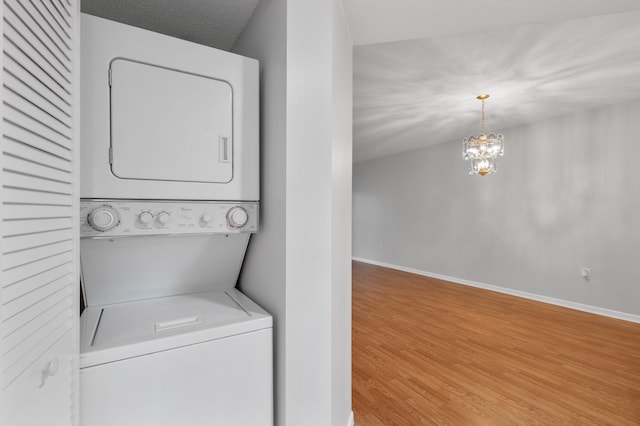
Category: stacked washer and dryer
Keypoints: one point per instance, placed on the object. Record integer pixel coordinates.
(169, 199)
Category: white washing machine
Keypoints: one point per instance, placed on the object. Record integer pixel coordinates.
(196, 359)
(170, 197)
(166, 339)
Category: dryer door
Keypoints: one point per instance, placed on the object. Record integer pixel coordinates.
(169, 125)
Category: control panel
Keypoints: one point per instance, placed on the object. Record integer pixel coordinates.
(102, 218)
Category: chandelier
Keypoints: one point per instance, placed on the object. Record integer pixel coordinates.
(482, 150)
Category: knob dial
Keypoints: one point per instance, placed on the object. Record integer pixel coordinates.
(145, 218)
(237, 217)
(103, 218)
(164, 218)
(206, 218)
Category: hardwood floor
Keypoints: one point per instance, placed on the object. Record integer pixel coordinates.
(429, 352)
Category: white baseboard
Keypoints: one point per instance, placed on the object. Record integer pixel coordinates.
(351, 421)
(551, 300)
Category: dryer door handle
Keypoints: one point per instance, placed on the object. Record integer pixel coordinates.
(224, 149)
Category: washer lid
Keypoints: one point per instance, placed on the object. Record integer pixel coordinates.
(115, 332)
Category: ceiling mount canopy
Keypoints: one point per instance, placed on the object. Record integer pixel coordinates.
(483, 150)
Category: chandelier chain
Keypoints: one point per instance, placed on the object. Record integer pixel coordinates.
(483, 117)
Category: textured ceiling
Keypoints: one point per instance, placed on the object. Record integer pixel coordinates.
(411, 94)
(380, 21)
(215, 23)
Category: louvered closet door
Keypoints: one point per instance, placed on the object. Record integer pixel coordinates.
(38, 293)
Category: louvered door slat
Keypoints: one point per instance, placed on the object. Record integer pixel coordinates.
(29, 117)
(65, 7)
(61, 11)
(19, 196)
(19, 63)
(43, 113)
(54, 17)
(24, 293)
(45, 29)
(21, 150)
(36, 82)
(31, 95)
(35, 45)
(17, 276)
(33, 28)
(25, 181)
(24, 242)
(36, 309)
(23, 257)
(29, 227)
(39, 170)
(50, 28)
(35, 124)
(18, 48)
(21, 335)
(14, 132)
(35, 212)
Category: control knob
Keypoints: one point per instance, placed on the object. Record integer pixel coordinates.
(145, 218)
(206, 218)
(103, 218)
(164, 218)
(237, 217)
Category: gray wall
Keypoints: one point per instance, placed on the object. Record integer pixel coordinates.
(298, 265)
(566, 195)
(342, 123)
(263, 273)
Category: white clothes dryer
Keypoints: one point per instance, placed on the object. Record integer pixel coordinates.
(164, 118)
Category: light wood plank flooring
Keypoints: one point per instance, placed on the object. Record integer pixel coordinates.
(429, 352)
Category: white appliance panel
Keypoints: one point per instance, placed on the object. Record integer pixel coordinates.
(169, 125)
(177, 172)
(120, 331)
(116, 270)
(164, 317)
(220, 382)
(124, 218)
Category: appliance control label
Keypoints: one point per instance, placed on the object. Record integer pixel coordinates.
(166, 217)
